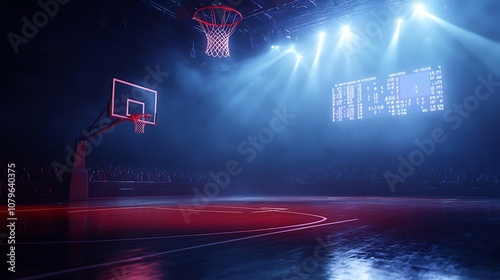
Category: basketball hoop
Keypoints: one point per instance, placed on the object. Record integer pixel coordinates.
(140, 121)
(218, 23)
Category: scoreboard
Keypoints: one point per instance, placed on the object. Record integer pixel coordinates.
(415, 91)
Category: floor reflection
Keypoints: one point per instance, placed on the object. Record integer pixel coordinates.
(151, 269)
(373, 260)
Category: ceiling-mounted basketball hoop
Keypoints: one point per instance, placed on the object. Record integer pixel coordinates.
(218, 23)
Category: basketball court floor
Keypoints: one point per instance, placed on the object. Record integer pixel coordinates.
(260, 238)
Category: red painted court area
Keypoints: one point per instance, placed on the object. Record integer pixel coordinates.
(162, 220)
(258, 238)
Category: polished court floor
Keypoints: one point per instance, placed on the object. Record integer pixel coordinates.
(259, 238)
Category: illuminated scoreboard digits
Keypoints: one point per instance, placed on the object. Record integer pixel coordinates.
(419, 90)
(347, 99)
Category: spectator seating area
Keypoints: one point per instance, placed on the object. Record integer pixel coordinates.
(37, 177)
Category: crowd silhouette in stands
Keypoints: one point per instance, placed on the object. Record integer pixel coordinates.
(35, 166)
(437, 170)
(358, 170)
(116, 171)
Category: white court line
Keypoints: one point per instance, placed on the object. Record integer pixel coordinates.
(321, 219)
(166, 208)
(272, 208)
(262, 211)
(181, 249)
(265, 211)
(110, 209)
(248, 208)
(194, 210)
(84, 209)
(258, 210)
(44, 209)
(101, 208)
(152, 207)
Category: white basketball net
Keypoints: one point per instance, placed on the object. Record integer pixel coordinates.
(139, 127)
(218, 23)
(140, 122)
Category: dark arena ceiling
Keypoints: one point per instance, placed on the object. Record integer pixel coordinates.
(265, 22)
(137, 28)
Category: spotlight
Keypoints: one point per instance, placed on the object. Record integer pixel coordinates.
(419, 9)
(345, 29)
(346, 32)
(273, 47)
(298, 56)
(400, 21)
(320, 45)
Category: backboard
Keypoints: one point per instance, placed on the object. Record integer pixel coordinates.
(128, 99)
